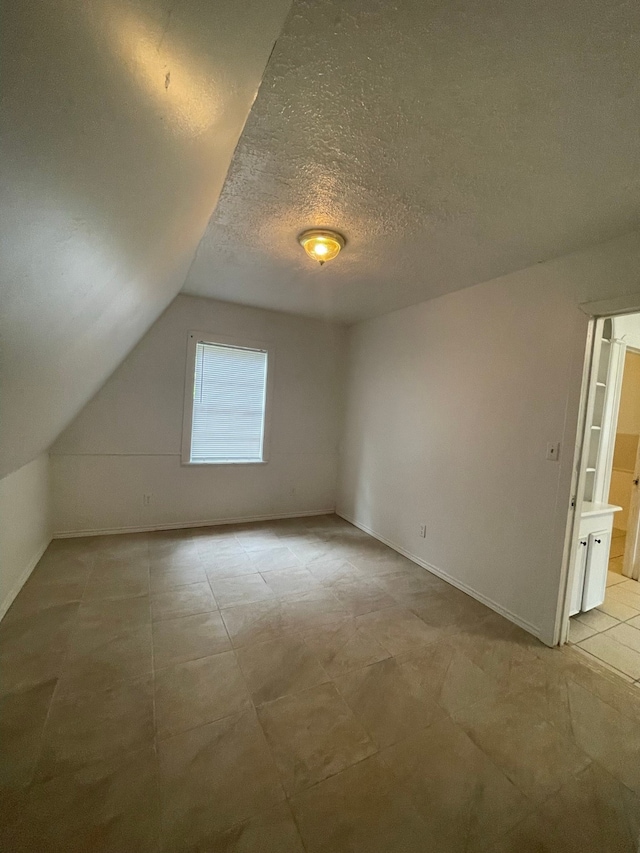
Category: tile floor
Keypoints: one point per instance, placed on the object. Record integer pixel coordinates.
(611, 632)
(290, 687)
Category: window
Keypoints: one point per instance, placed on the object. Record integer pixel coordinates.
(226, 402)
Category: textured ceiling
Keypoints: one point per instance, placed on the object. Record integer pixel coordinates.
(119, 121)
(450, 142)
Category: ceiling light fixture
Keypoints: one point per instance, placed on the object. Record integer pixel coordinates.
(321, 245)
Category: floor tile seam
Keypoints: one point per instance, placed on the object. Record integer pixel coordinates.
(602, 666)
(263, 813)
(581, 621)
(248, 551)
(119, 758)
(227, 577)
(86, 582)
(270, 702)
(301, 791)
(330, 679)
(270, 752)
(503, 693)
(444, 632)
(38, 757)
(511, 694)
(298, 567)
(625, 685)
(153, 593)
(615, 600)
(379, 748)
(249, 693)
(199, 657)
(286, 632)
(505, 771)
(270, 598)
(357, 631)
(613, 639)
(224, 624)
(532, 805)
(304, 791)
(619, 642)
(168, 562)
(32, 615)
(516, 825)
(154, 712)
(114, 599)
(173, 616)
(64, 659)
(162, 669)
(572, 722)
(342, 559)
(283, 596)
(159, 741)
(274, 765)
(286, 548)
(55, 695)
(574, 776)
(183, 586)
(601, 767)
(296, 823)
(159, 571)
(117, 683)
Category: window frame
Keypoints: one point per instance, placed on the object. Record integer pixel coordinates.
(193, 339)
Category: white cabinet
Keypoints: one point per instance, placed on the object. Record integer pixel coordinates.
(595, 575)
(592, 558)
(578, 581)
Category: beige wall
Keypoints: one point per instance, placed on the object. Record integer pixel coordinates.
(25, 525)
(629, 414)
(127, 441)
(450, 406)
(627, 436)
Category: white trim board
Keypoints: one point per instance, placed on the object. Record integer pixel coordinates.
(24, 577)
(628, 303)
(497, 608)
(180, 525)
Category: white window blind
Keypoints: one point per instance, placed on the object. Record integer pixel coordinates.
(229, 397)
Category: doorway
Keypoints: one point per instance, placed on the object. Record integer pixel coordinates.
(625, 472)
(602, 609)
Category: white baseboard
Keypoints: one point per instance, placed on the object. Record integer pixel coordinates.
(24, 576)
(483, 599)
(180, 525)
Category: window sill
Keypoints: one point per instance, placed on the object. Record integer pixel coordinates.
(224, 463)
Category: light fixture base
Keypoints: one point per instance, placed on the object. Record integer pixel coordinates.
(321, 244)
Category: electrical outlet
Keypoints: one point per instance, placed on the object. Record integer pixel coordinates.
(423, 531)
(553, 451)
(146, 500)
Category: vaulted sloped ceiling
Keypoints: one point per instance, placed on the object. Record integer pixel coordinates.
(451, 141)
(119, 121)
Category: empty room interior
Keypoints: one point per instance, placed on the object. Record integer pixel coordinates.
(320, 427)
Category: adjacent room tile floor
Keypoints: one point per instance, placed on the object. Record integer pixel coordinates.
(611, 633)
(298, 686)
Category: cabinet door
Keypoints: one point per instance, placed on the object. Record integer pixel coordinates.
(595, 578)
(578, 577)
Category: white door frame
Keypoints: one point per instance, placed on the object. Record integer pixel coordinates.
(629, 304)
